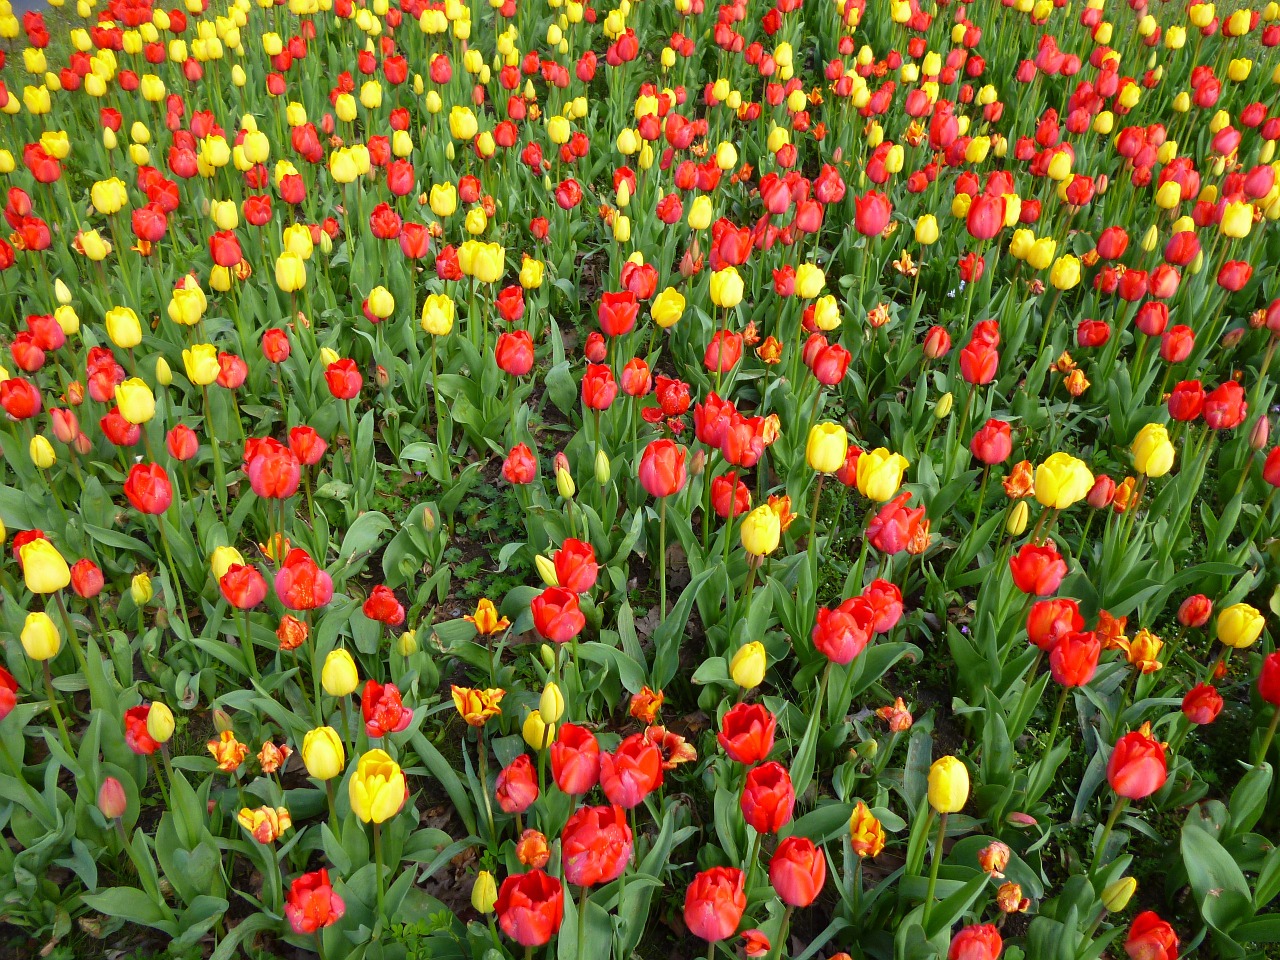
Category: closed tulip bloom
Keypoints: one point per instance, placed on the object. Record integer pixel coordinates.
(516, 788)
(1152, 451)
(377, 790)
(976, 942)
(667, 307)
(243, 586)
(40, 637)
(1240, 625)
(1269, 679)
(598, 387)
(631, 772)
(797, 871)
(1202, 704)
(86, 579)
(747, 668)
(201, 364)
(948, 785)
(339, 676)
(43, 569)
(1137, 768)
(746, 733)
(826, 447)
(148, 489)
(136, 402)
(662, 468)
(123, 327)
(843, 633)
(726, 288)
(761, 531)
(383, 709)
(1074, 658)
(1061, 481)
(556, 615)
(323, 753)
(866, 833)
(596, 845)
(312, 904)
(530, 907)
(575, 760)
(714, 903)
(160, 723)
(301, 584)
(575, 566)
(1151, 938)
(1050, 620)
(437, 315)
(992, 443)
(880, 474)
(1065, 273)
(1038, 569)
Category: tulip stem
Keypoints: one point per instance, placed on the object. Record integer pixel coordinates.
(813, 530)
(71, 634)
(484, 783)
(57, 713)
(753, 854)
(320, 944)
(780, 946)
(1223, 654)
(933, 869)
(1267, 737)
(377, 860)
(173, 576)
(1116, 809)
(329, 796)
(164, 790)
(246, 645)
(662, 559)
(582, 919)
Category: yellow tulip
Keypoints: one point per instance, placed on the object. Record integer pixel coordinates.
(826, 447)
(880, 474)
(1062, 480)
(40, 637)
(1240, 625)
(323, 753)
(748, 665)
(43, 568)
(948, 785)
(1152, 452)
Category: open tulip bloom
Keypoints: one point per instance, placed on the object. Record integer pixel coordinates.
(721, 478)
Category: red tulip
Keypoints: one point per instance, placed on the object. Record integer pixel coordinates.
(136, 737)
(871, 213)
(383, 607)
(1202, 704)
(714, 903)
(575, 760)
(148, 488)
(662, 468)
(992, 443)
(86, 579)
(746, 733)
(768, 797)
(1136, 768)
(530, 907)
(711, 418)
(1186, 401)
(1038, 568)
(976, 942)
(937, 342)
(723, 352)
(1225, 406)
(301, 584)
(1152, 318)
(797, 871)
(274, 471)
(517, 785)
(556, 616)
(673, 396)
(978, 363)
(1050, 620)
(8, 693)
(1102, 493)
(312, 904)
(885, 600)
(383, 710)
(576, 567)
(730, 493)
(596, 845)
(617, 313)
(1074, 658)
(343, 379)
(1093, 333)
(510, 303)
(1234, 275)
(598, 387)
(1151, 938)
(894, 526)
(637, 381)
(21, 399)
(985, 217)
(631, 772)
(1112, 243)
(514, 353)
(1269, 679)
(520, 465)
(307, 445)
(1177, 343)
(1195, 611)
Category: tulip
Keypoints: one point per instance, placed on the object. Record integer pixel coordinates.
(1151, 938)
(43, 569)
(323, 753)
(797, 871)
(826, 447)
(484, 893)
(714, 903)
(1136, 768)
(976, 942)
(1240, 625)
(530, 907)
(1116, 895)
(726, 288)
(948, 785)
(40, 637)
(159, 723)
(1061, 481)
(596, 845)
(339, 676)
(575, 760)
(761, 531)
(1202, 704)
(866, 833)
(880, 474)
(377, 789)
(746, 733)
(748, 665)
(516, 788)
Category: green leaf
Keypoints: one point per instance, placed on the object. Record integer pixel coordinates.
(666, 639)
(1220, 888)
(130, 903)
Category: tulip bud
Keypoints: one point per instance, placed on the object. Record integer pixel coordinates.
(602, 467)
(222, 720)
(546, 570)
(111, 799)
(160, 722)
(1017, 522)
(1150, 238)
(61, 293)
(40, 637)
(942, 409)
(339, 676)
(140, 589)
(429, 521)
(564, 479)
(698, 462)
(484, 893)
(164, 376)
(867, 749)
(748, 665)
(407, 643)
(1117, 895)
(1261, 431)
(550, 704)
(948, 785)
(537, 734)
(548, 655)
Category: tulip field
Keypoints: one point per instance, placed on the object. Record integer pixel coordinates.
(639, 479)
